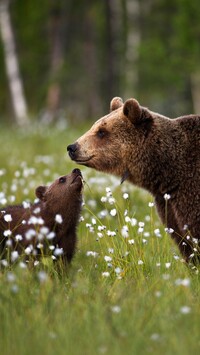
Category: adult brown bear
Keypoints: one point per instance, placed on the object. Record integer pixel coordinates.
(159, 154)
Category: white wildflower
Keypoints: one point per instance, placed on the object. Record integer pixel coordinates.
(44, 230)
(37, 210)
(133, 222)
(158, 294)
(14, 255)
(131, 241)
(42, 276)
(58, 218)
(113, 212)
(36, 263)
(185, 310)
(140, 262)
(118, 270)
(9, 243)
(7, 233)
(144, 241)
(22, 265)
(125, 196)
(141, 224)
(58, 251)
(7, 217)
(18, 237)
(51, 235)
(127, 219)
(28, 250)
(157, 233)
(105, 274)
(169, 230)
(146, 234)
(116, 309)
(167, 265)
(103, 199)
(107, 258)
(26, 204)
(155, 337)
(92, 253)
(30, 234)
(10, 277)
(94, 221)
(151, 204)
(167, 197)
(40, 246)
(108, 192)
(124, 231)
(51, 247)
(111, 200)
(101, 228)
(140, 230)
(182, 282)
(111, 233)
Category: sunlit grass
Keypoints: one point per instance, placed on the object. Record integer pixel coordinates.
(127, 289)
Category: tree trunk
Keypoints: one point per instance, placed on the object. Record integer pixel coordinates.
(113, 45)
(12, 66)
(56, 61)
(133, 41)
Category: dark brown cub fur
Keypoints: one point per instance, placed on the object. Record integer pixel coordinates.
(52, 220)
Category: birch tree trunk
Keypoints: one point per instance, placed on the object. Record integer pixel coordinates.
(12, 66)
(133, 42)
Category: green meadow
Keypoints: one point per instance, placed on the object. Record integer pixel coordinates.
(127, 290)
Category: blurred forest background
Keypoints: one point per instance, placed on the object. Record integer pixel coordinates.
(68, 58)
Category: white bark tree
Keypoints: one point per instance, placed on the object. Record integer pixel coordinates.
(12, 66)
(133, 42)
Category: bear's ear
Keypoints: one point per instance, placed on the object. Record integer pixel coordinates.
(40, 192)
(132, 110)
(116, 103)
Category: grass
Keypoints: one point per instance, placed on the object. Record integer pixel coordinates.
(127, 289)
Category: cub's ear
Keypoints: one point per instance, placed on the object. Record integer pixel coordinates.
(132, 110)
(40, 192)
(116, 103)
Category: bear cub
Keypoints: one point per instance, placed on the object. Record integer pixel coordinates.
(49, 223)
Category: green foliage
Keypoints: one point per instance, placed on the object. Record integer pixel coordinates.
(169, 52)
(91, 42)
(128, 292)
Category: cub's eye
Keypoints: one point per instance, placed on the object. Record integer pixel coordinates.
(62, 180)
(101, 133)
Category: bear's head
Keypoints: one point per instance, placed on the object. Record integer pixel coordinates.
(64, 194)
(116, 143)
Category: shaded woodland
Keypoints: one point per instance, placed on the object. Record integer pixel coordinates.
(71, 57)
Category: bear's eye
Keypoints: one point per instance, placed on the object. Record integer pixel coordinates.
(62, 180)
(101, 133)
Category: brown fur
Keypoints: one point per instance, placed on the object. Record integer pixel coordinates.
(62, 197)
(156, 153)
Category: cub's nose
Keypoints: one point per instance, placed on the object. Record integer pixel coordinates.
(76, 171)
(72, 150)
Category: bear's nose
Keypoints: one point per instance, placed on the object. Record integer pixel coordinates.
(72, 149)
(76, 171)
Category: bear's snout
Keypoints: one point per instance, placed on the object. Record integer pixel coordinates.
(72, 148)
(76, 171)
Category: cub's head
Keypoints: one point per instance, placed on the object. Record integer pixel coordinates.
(65, 192)
(115, 139)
